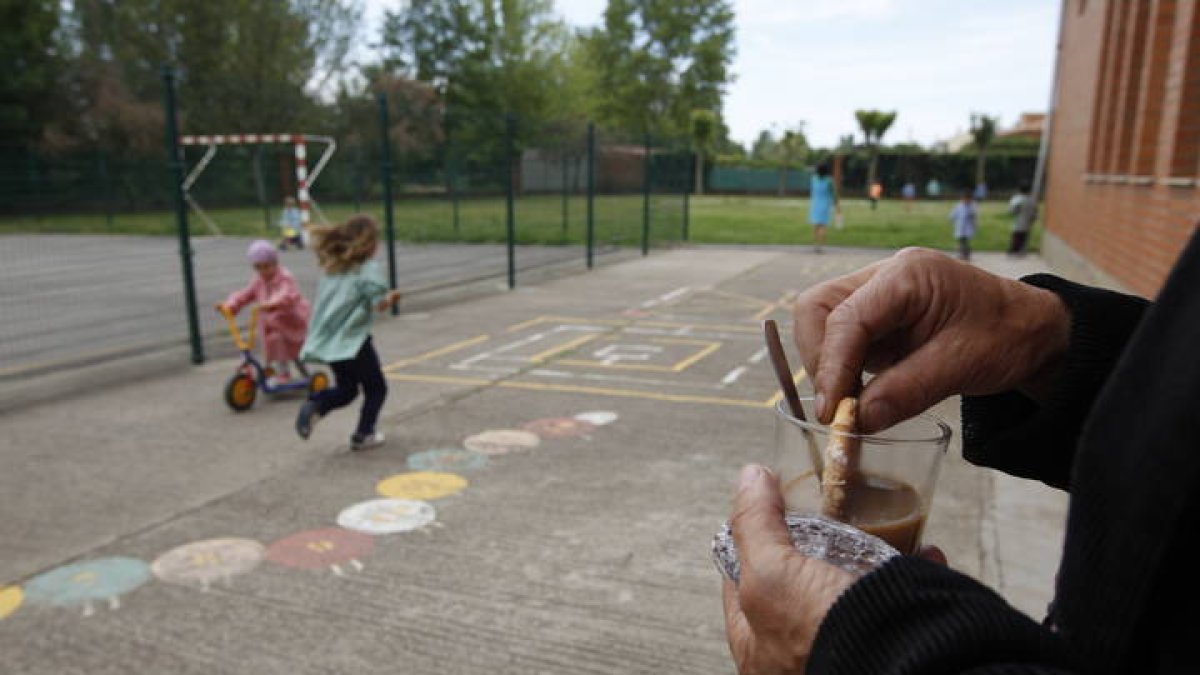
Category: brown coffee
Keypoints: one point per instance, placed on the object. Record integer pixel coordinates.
(885, 507)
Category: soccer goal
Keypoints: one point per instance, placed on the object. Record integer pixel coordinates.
(304, 178)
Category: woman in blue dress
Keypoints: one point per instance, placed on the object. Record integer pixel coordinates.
(823, 201)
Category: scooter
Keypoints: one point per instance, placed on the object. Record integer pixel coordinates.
(252, 375)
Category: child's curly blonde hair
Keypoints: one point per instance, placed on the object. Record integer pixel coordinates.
(342, 247)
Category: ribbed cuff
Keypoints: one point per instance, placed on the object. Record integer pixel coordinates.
(913, 616)
(1012, 433)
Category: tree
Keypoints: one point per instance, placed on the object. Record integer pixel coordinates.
(874, 124)
(704, 130)
(489, 59)
(983, 130)
(32, 57)
(792, 149)
(765, 146)
(658, 61)
(243, 66)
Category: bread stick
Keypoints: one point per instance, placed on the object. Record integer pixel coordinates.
(841, 459)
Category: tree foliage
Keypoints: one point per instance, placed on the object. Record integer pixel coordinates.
(31, 49)
(658, 60)
(983, 130)
(874, 124)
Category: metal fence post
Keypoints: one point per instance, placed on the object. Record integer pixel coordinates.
(566, 194)
(509, 196)
(175, 169)
(106, 186)
(687, 208)
(646, 197)
(260, 187)
(591, 192)
(388, 217)
(686, 213)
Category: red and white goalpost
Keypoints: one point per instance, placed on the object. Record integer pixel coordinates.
(304, 178)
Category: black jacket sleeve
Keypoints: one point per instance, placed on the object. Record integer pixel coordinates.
(912, 616)
(1009, 432)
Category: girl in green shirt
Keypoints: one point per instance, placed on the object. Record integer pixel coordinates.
(339, 332)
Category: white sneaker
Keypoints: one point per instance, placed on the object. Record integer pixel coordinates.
(372, 440)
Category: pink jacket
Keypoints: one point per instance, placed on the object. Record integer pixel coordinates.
(282, 329)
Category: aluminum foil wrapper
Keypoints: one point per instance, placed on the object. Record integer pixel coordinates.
(814, 536)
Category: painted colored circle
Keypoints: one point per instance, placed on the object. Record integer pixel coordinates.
(387, 516)
(551, 428)
(204, 562)
(597, 417)
(80, 582)
(11, 598)
(324, 547)
(447, 459)
(423, 485)
(502, 441)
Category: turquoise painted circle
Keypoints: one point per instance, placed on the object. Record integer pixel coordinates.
(80, 582)
(447, 459)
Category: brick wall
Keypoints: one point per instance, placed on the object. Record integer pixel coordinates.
(1122, 195)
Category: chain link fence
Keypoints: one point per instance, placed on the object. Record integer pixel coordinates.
(90, 252)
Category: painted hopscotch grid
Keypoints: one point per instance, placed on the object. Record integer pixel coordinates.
(674, 361)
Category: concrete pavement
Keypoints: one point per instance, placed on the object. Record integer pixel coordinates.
(149, 529)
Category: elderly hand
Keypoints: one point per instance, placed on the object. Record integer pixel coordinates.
(930, 327)
(772, 614)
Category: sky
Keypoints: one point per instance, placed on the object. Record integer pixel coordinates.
(817, 61)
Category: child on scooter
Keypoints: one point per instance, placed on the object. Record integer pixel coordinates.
(283, 311)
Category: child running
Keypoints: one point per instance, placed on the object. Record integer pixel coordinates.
(351, 291)
(283, 311)
(964, 217)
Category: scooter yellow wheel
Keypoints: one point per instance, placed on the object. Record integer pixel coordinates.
(318, 382)
(240, 392)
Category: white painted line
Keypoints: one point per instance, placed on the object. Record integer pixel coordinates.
(732, 376)
(599, 377)
(665, 297)
(758, 355)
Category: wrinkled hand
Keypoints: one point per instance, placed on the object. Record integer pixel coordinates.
(929, 327)
(772, 614)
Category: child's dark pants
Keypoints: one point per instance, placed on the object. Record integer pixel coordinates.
(362, 370)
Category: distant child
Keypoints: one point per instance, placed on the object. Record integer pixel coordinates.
(292, 224)
(1020, 226)
(909, 193)
(348, 296)
(823, 202)
(875, 193)
(964, 217)
(933, 189)
(283, 311)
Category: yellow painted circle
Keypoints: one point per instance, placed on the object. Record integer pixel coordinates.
(421, 485)
(10, 599)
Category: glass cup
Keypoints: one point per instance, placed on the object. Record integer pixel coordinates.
(891, 486)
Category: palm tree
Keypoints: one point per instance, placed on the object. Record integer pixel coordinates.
(874, 124)
(704, 129)
(983, 130)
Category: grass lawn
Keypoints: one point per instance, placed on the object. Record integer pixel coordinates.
(618, 219)
(768, 220)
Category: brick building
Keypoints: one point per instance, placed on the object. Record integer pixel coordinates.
(1122, 190)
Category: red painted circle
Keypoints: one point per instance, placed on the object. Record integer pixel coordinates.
(315, 549)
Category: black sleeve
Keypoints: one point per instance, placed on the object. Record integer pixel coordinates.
(912, 616)
(1012, 433)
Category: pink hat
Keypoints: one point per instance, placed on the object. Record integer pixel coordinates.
(262, 251)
